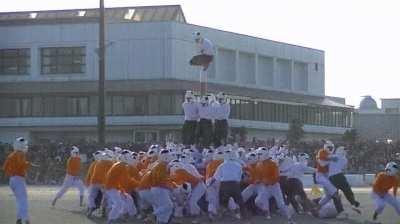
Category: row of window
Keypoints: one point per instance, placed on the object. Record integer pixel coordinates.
(169, 104)
(53, 60)
(284, 113)
(61, 106)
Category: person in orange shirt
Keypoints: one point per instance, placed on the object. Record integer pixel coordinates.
(149, 158)
(321, 176)
(96, 157)
(383, 182)
(117, 178)
(180, 175)
(252, 176)
(16, 167)
(72, 177)
(268, 174)
(130, 185)
(104, 163)
(160, 187)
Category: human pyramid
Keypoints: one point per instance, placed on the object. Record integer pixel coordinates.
(175, 181)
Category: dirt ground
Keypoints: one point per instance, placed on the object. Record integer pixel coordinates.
(67, 210)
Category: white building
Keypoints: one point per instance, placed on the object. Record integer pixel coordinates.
(372, 122)
(49, 72)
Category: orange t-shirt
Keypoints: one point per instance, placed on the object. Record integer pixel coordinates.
(116, 176)
(251, 171)
(212, 166)
(73, 166)
(132, 182)
(133, 172)
(160, 175)
(268, 171)
(145, 182)
(383, 183)
(181, 176)
(323, 155)
(100, 171)
(16, 164)
(90, 173)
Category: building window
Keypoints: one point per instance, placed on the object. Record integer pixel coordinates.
(123, 105)
(316, 67)
(15, 107)
(143, 136)
(63, 60)
(15, 61)
(141, 105)
(78, 106)
(140, 137)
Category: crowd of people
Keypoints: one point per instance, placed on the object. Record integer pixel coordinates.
(174, 181)
(364, 156)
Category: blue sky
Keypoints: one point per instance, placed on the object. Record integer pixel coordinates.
(361, 38)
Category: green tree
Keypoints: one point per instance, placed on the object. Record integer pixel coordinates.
(350, 137)
(295, 133)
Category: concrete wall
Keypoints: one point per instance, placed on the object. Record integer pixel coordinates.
(155, 50)
(251, 62)
(377, 126)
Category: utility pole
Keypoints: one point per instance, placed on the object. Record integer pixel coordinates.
(101, 120)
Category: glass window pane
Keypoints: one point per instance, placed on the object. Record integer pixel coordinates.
(140, 105)
(154, 105)
(64, 59)
(140, 137)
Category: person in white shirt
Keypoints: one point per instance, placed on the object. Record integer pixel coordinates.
(222, 111)
(229, 175)
(205, 52)
(190, 110)
(205, 124)
(336, 176)
(295, 185)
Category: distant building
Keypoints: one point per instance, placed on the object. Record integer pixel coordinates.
(377, 123)
(49, 73)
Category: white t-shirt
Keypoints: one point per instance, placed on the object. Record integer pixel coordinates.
(298, 170)
(336, 167)
(206, 47)
(229, 170)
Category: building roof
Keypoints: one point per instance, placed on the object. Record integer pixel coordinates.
(368, 103)
(127, 14)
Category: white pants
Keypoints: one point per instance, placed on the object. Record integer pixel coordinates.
(163, 204)
(249, 191)
(179, 199)
(195, 196)
(129, 207)
(115, 201)
(328, 187)
(328, 211)
(94, 189)
(71, 181)
(388, 198)
(18, 187)
(212, 197)
(265, 192)
(145, 199)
